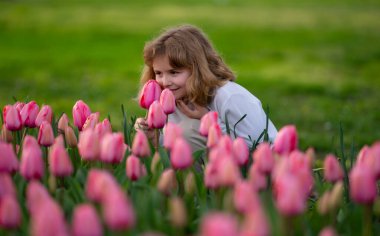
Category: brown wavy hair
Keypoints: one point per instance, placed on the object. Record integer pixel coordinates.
(188, 47)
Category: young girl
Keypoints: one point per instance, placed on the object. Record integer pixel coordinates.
(183, 60)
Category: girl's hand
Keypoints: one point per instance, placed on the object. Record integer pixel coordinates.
(142, 124)
(193, 111)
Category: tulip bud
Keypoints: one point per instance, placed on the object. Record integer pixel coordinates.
(86, 221)
(133, 168)
(32, 165)
(70, 137)
(150, 92)
(171, 133)
(214, 134)
(6, 135)
(225, 144)
(167, 182)
(80, 113)
(328, 231)
(177, 212)
(36, 194)
(255, 223)
(103, 128)
(245, 197)
(181, 155)
(156, 116)
(63, 123)
(88, 145)
(333, 171)
(8, 159)
(336, 195)
(10, 212)
(140, 145)
(12, 118)
(286, 140)
(29, 114)
(45, 114)
(155, 162)
(59, 160)
(263, 157)
(167, 101)
(45, 134)
(363, 188)
(207, 120)
(241, 151)
(323, 205)
(98, 183)
(190, 185)
(219, 224)
(257, 178)
(228, 172)
(7, 187)
(112, 148)
(19, 106)
(91, 121)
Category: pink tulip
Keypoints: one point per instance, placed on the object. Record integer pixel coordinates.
(45, 114)
(48, 220)
(171, 133)
(63, 123)
(29, 114)
(375, 156)
(150, 92)
(255, 223)
(333, 171)
(12, 118)
(45, 134)
(140, 145)
(228, 172)
(246, 199)
(363, 188)
(219, 224)
(167, 182)
(99, 182)
(32, 165)
(225, 143)
(241, 151)
(8, 159)
(91, 121)
(301, 166)
(36, 194)
(156, 116)
(363, 154)
(19, 106)
(118, 212)
(214, 134)
(181, 155)
(328, 231)
(10, 212)
(70, 137)
(7, 187)
(6, 135)
(86, 221)
(89, 146)
(103, 128)
(59, 160)
(207, 120)
(256, 178)
(211, 176)
(80, 113)
(263, 157)
(286, 140)
(134, 168)
(167, 101)
(112, 148)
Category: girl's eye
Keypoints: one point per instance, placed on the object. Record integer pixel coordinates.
(157, 73)
(174, 72)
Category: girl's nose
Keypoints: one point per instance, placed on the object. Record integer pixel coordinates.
(166, 81)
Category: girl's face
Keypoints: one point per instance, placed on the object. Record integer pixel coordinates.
(171, 78)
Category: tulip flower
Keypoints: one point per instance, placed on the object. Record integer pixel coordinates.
(89, 147)
(91, 121)
(263, 158)
(19, 106)
(7, 187)
(133, 168)
(118, 212)
(177, 212)
(181, 155)
(12, 118)
(45, 114)
(167, 101)
(150, 92)
(255, 223)
(167, 182)
(98, 183)
(29, 114)
(328, 231)
(228, 172)
(140, 145)
(241, 151)
(86, 221)
(6, 135)
(36, 194)
(225, 143)
(112, 148)
(171, 132)
(80, 113)
(10, 212)
(211, 176)
(246, 198)
(63, 123)
(103, 128)
(214, 134)
(286, 140)
(156, 116)
(332, 170)
(8, 159)
(59, 161)
(257, 178)
(45, 134)
(363, 188)
(219, 224)
(32, 165)
(207, 120)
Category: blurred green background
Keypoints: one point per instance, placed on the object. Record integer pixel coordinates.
(316, 64)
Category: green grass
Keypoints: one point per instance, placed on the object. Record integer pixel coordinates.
(315, 64)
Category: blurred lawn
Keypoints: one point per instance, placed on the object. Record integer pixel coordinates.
(314, 64)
